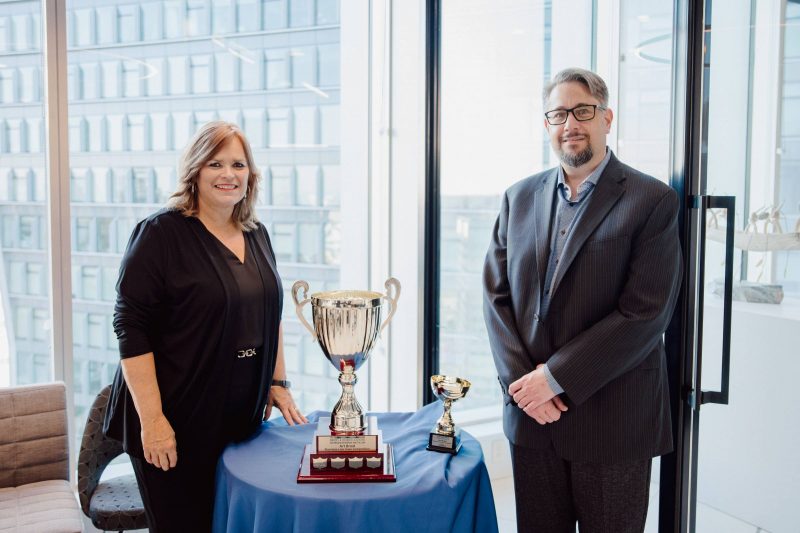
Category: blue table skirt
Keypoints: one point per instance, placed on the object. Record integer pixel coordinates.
(436, 492)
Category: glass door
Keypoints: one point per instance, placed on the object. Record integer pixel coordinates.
(744, 276)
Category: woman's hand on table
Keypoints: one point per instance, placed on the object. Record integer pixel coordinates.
(158, 443)
(281, 397)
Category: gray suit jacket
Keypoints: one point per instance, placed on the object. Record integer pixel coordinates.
(612, 299)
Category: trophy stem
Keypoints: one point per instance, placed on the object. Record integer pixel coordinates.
(445, 424)
(347, 417)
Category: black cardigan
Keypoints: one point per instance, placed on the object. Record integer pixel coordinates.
(176, 297)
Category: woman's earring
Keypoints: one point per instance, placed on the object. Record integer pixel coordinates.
(194, 188)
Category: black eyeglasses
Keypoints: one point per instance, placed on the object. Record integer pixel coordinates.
(582, 113)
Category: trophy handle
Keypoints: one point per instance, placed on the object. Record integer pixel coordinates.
(298, 305)
(390, 284)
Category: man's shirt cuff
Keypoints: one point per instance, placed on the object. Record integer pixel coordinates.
(552, 381)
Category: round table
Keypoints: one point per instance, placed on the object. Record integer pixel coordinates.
(437, 492)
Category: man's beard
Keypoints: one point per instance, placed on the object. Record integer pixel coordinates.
(576, 160)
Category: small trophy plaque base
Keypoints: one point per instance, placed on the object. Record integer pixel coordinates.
(444, 443)
(347, 458)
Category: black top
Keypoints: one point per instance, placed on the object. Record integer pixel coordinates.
(177, 298)
(251, 296)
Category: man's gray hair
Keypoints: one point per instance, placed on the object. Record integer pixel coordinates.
(597, 87)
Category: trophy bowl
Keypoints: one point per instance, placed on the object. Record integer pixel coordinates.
(347, 324)
(448, 389)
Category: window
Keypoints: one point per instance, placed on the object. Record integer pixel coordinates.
(76, 134)
(103, 235)
(248, 17)
(81, 184)
(100, 185)
(327, 12)
(89, 81)
(22, 323)
(30, 88)
(303, 68)
(177, 75)
(161, 133)
(128, 23)
(328, 65)
(255, 127)
(83, 27)
(89, 288)
(96, 331)
(14, 136)
(333, 240)
(275, 14)
(278, 127)
(83, 229)
(7, 86)
(154, 76)
(21, 185)
(35, 134)
(302, 13)
(96, 133)
(28, 232)
(115, 128)
(277, 67)
(309, 246)
(110, 275)
(221, 18)
(281, 181)
(131, 78)
(121, 185)
(196, 17)
(111, 79)
(330, 185)
(5, 34)
(41, 325)
(201, 74)
(305, 125)
(142, 185)
(173, 19)
(225, 72)
(106, 25)
(307, 185)
(22, 32)
(152, 19)
(138, 132)
(329, 125)
(182, 128)
(165, 183)
(283, 241)
(250, 74)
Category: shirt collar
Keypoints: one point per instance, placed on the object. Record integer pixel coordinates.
(591, 178)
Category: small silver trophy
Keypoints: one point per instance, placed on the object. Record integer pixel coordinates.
(446, 437)
(347, 324)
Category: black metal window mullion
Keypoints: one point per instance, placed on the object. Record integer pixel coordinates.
(432, 260)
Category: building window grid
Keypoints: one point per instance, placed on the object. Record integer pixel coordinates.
(93, 136)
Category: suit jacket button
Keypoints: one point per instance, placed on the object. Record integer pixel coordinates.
(536, 317)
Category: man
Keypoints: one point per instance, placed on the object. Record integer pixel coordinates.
(580, 281)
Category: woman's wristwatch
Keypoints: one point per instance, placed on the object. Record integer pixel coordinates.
(285, 383)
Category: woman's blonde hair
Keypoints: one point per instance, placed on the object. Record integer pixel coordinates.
(209, 140)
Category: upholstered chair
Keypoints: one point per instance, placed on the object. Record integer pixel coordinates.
(35, 493)
(114, 504)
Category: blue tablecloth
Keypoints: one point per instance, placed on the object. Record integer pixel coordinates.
(436, 492)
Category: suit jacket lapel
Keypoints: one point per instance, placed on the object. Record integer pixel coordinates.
(608, 191)
(543, 208)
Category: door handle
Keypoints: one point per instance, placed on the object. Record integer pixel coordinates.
(704, 203)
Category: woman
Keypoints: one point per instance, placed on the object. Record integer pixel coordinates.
(198, 321)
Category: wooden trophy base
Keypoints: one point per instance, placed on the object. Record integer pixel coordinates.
(347, 458)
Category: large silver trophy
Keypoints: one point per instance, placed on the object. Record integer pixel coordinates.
(346, 325)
